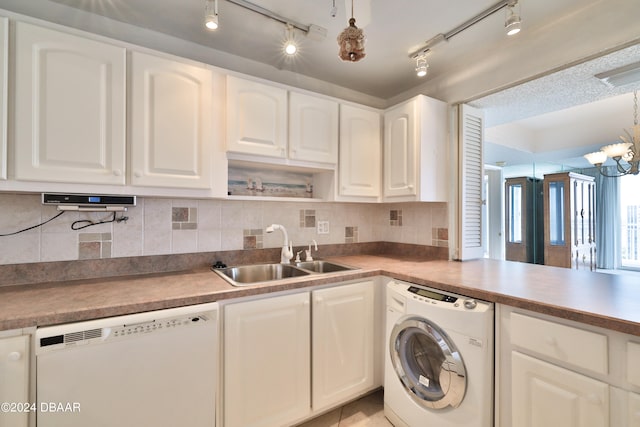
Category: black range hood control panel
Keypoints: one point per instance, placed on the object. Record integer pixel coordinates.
(88, 202)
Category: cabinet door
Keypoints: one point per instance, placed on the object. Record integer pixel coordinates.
(546, 395)
(400, 151)
(313, 128)
(343, 343)
(171, 133)
(4, 58)
(256, 118)
(69, 108)
(359, 170)
(266, 361)
(14, 378)
(633, 412)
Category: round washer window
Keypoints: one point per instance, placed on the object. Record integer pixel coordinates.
(428, 363)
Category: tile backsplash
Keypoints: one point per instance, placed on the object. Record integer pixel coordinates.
(160, 226)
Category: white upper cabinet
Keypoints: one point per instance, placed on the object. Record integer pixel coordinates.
(256, 118)
(4, 58)
(415, 151)
(69, 108)
(171, 127)
(360, 151)
(313, 128)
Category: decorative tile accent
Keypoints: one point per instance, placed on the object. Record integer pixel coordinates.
(94, 245)
(395, 218)
(307, 218)
(252, 238)
(351, 234)
(440, 237)
(184, 218)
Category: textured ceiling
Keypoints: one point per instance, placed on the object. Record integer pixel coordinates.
(393, 30)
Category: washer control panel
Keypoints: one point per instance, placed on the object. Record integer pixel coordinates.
(436, 297)
(431, 294)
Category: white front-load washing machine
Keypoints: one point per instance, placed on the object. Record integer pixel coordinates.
(439, 358)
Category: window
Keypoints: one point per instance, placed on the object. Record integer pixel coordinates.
(630, 221)
(556, 213)
(515, 213)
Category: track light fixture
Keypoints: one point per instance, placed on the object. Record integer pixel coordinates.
(211, 14)
(421, 66)
(512, 20)
(512, 23)
(290, 47)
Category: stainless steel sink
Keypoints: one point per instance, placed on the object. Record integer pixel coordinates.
(320, 266)
(245, 275)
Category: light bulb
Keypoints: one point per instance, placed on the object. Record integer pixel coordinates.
(211, 22)
(512, 22)
(421, 66)
(290, 48)
(211, 14)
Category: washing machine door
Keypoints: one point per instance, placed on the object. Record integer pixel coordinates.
(428, 363)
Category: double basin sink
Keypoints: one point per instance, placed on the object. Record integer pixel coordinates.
(246, 275)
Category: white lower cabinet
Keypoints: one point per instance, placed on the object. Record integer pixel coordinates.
(546, 395)
(272, 367)
(14, 381)
(266, 361)
(343, 343)
(557, 372)
(633, 409)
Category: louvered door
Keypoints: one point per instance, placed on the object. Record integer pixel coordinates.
(471, 194)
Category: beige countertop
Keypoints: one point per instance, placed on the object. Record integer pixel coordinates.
(604, 300)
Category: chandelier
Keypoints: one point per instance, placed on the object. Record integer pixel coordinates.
(626, 153)
(351, 41)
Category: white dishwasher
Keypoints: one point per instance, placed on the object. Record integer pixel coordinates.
(156, 369)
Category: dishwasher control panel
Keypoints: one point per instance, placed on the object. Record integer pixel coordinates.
(97, 331)
(154, 325)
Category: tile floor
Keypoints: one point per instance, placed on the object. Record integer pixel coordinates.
(364, 412)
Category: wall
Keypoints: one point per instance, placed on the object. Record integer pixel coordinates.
(158, 226)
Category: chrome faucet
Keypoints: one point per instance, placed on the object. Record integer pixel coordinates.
(287, 247)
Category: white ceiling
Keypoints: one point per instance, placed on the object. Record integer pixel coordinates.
(547, 67)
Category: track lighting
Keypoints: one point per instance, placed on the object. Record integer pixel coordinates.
(512, 24)
(290, 47)
(211, 14)
(421, 66)
(512, 21)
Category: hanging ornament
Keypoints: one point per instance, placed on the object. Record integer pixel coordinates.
(351, 41)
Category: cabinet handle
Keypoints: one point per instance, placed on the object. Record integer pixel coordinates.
(410, 187)
(117, 172)
(14, 356)
(551, 341)
(138, 174)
